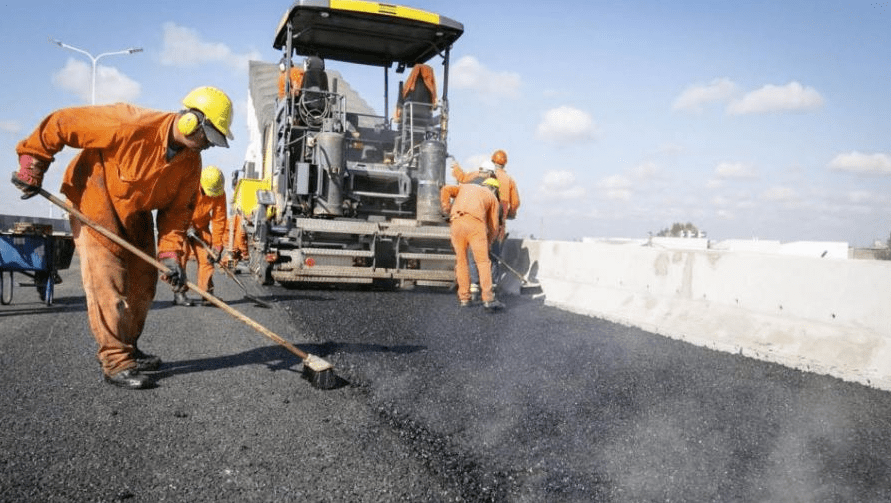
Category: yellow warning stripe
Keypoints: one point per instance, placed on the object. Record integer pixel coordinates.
(385, 9)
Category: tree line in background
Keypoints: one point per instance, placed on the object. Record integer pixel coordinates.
(679, 230)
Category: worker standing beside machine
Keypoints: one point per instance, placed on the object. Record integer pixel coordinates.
(508, 196)
(472, 210)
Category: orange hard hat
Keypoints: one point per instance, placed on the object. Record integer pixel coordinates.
(499, 157)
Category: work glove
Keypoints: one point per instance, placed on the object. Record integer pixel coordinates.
(232, 258)
(215, 254)
(29, 177)
(176, 276)
(446, 213)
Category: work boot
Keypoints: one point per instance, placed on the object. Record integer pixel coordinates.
(493, 305)
(146, 362)
(180, 299)
(474, 292)
(463, 303)
(129, 379)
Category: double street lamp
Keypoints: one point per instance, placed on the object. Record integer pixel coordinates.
(95, 59)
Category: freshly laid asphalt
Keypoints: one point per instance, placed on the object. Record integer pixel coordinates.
(434, 403)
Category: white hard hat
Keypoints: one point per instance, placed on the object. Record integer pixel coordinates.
(488, 167)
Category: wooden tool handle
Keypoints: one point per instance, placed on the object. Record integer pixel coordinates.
(153, 261)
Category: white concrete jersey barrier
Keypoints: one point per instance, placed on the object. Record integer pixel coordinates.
(826, 315)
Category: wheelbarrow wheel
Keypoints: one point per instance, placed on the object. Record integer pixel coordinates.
(5, 287)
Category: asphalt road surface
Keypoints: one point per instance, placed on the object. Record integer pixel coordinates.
(434, 403)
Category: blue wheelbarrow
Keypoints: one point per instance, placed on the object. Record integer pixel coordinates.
(35, 252)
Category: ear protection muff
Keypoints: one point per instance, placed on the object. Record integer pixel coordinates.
(188, 122)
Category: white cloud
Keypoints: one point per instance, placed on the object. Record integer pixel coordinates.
(469, 73)
(720, 201)
(9, 126)
(862, 164)
(560, 185)
(694, 97)
(770, 98)
(184, 48)
(726, 170)
(616, 187)
(647, 170)
(566, 125)
(861, 197)
(111, 85)
(780, 194)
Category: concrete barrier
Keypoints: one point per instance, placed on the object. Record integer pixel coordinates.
(826, 315)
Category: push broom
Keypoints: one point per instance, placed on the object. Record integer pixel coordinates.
(318, 371)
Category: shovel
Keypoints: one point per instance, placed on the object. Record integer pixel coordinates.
(318, 371)
(216, 259)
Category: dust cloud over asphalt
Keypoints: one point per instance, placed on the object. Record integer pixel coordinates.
(537, 404)
(435, 403)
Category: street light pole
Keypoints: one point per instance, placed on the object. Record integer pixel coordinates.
(95, 60)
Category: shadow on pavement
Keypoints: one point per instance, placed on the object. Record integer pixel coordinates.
(276, 358)
(59, 305)
(273, 357)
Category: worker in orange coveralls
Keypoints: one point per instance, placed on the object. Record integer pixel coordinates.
(474, 217)
(419, 87)
(209, 225)
(509, 197)
(133, 161)
(296, 78)
(238, 244)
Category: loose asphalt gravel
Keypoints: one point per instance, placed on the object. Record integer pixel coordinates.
(434, 403)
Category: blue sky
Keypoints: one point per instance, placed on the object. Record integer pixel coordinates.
(758, 119)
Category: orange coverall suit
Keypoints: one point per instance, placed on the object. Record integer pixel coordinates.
(474, 223)
(207, 209)
(117, 180)
(420, 74)
(296, 82)
(508, 194)
(238, 244)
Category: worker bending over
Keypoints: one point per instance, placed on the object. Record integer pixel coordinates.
(133, 161)
(474, 224)
(508, 196)
(209, 225)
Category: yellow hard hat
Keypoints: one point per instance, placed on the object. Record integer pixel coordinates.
(491, 182)
(212, 181)
(217, 108)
